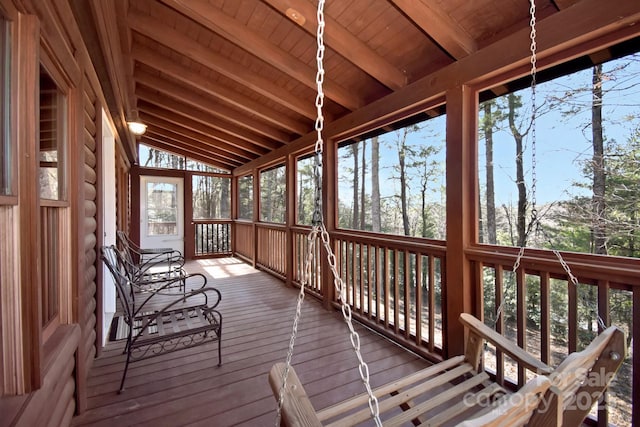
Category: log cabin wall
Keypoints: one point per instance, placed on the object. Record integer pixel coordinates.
(44, 363)
(87, 295)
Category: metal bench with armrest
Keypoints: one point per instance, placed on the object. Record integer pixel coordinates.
(160, 323)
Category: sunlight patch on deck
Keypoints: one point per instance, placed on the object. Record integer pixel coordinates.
(220, 268)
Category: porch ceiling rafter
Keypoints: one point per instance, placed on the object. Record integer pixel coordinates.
(439, 25)
(178, 133)
(207, 118)
(203, 55)
(217, 21)
(200, 97)
(227, 142)
(343, 42)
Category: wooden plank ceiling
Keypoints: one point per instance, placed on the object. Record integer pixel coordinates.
(227, 81)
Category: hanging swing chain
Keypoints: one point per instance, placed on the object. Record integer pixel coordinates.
(320, 229)
(306, 277)
(534, 223)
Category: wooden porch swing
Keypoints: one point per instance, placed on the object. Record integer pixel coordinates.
(456, 391)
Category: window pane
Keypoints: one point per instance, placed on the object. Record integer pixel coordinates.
(194, 165)
(273, 195)
(154, 158)
(245, 197)
(162, 209)
(395, 182)
(306, 190)
(5, 86)
(587, 147)
(211, 197)
(52, 135)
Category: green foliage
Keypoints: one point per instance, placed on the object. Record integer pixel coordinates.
(273, 195)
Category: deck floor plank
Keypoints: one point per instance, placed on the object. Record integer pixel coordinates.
(188, 388)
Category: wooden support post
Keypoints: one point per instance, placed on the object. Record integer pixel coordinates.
(235, 200)
(135, 205)
(256, 215)
(329, 212)
(290, 219)
(462, 194)
(189, 226)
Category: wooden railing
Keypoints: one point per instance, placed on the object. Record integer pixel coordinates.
(300, 237)
(212, 237)
(394, 285)
(272, 248)
(549, 316)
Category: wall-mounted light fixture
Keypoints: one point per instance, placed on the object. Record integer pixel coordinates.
(137, 128)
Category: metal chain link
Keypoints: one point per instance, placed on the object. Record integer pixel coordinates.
(306, 278)
(319, 228)
(535, 221)
(341, 291)
(534, 106)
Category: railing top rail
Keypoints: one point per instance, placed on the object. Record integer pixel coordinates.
(271, 225)
(586, 267)
(393, 241)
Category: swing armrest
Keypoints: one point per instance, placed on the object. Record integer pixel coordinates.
(484, 333)
(297, 409)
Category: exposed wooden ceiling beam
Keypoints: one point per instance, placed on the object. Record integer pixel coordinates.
(190, 48)
(205, 119)
(179, 133)
(439, 26)
(162, 143)
(220, 23)
(342, 41)
(191, 96)
(243, 147)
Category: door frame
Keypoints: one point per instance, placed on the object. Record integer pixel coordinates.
(136, 177)
(180, 219)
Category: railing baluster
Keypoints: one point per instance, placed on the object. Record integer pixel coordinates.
(387, 285)
(521, 318)
(432, 302)
(407, 295)
(545, 317)
(419, 283)
(573, 316)
(396, 291)
(499, 289)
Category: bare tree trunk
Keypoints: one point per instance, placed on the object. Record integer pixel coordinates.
(423, 206)
(225, 208)
(599, 227)
(490, 202)
(375, 184)
(403, 182)
(356, 187)
(522, 188)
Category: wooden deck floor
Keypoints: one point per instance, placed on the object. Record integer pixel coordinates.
(188, 388)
